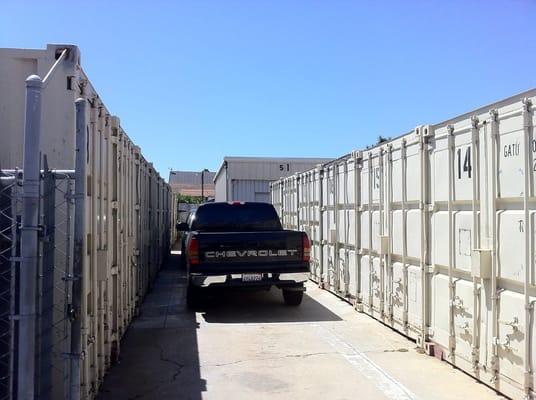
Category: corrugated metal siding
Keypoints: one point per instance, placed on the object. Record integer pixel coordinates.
(250, 190)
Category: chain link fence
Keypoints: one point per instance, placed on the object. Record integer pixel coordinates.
(54, 282)
(10, 206)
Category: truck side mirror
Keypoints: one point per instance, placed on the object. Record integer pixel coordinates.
(182, 226)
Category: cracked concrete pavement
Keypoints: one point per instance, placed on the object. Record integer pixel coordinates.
(246, 345)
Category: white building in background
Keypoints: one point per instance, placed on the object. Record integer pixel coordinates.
(248, 178)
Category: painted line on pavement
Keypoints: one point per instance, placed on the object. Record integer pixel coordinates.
(382, 380)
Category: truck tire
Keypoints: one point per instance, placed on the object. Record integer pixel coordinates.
(193, 297)
(292, 297)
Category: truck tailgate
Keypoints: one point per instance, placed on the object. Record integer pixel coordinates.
(269, 249)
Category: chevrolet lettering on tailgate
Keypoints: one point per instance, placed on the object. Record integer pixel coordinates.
(251, 253)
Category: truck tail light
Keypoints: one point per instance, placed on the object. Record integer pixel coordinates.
(306, 248)
(193, 251)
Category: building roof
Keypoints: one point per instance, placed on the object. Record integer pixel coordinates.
(275, 159)
(189, 183)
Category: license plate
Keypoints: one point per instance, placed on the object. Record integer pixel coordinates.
(251, 277)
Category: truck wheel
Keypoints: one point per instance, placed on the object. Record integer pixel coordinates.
(292, 297)
(193, 297)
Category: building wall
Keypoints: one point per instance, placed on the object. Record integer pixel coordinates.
(250, 190)
(248, 178)
(271, 169)
(221, 186)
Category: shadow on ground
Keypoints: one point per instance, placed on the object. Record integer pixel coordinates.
(159, 356)
(242, 306)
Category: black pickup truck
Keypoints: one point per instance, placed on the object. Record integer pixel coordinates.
(243, 245)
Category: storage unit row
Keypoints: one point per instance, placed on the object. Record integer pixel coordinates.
(433, 234)
(128, 212)
(128, 224)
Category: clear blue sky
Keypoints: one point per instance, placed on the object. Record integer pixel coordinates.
(194, 81)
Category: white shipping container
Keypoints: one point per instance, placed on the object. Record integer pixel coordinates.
(433, 233)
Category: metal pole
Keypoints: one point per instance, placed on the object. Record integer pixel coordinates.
(29, 241)
(202, 184)
(46, 315)
(78, 255)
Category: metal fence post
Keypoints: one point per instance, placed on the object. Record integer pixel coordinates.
(29, 241)
(78, 256)
(46, 314)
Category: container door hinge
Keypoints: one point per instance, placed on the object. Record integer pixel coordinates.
(72, 313)
(405, 316)
(43, 234)
(452, 342)
(527, 380)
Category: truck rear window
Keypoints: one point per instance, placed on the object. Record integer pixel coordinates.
(236, 217)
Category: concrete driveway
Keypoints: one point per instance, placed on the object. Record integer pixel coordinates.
(252, 346)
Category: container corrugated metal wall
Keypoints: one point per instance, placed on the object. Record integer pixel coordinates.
(128, 222)
(127, 207)
(433, 233)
